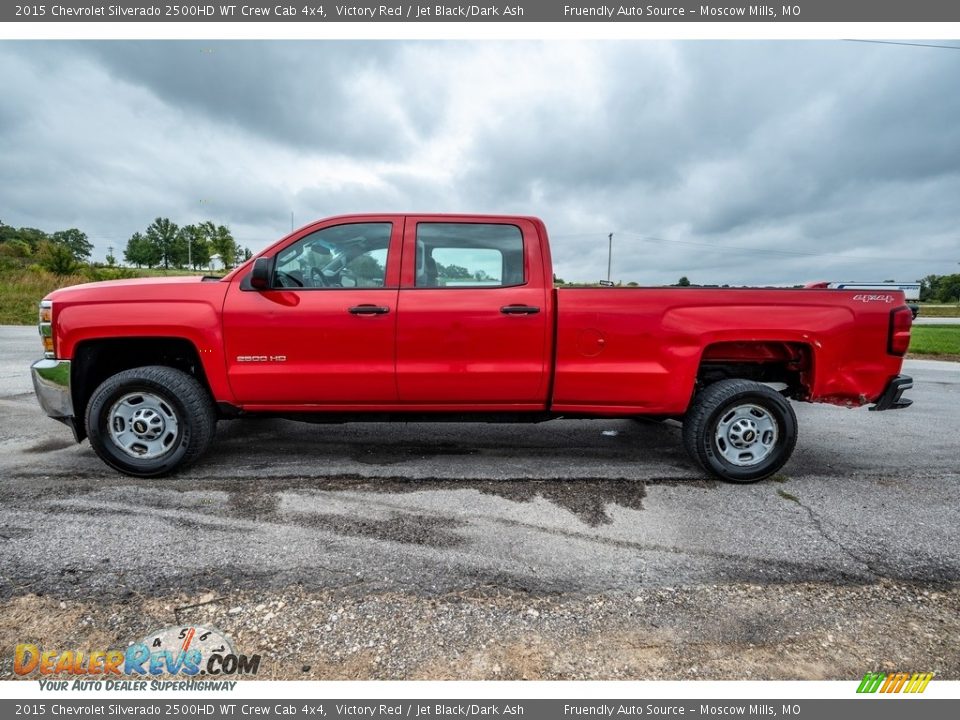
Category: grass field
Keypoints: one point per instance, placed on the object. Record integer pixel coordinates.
(935, 311)
(935, 340)
(22, 289)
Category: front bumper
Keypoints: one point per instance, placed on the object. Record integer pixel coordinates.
(51, 382)
(891, 398)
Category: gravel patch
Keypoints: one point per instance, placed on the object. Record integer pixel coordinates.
(735, 631)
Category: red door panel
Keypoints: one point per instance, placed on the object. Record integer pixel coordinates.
(315, 345)
(456, 345)
(289, 347)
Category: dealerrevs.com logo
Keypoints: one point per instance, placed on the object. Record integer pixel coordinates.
(894, 682)
(179, 651)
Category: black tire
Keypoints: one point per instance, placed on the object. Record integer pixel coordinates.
(175, 411)
(756, 425)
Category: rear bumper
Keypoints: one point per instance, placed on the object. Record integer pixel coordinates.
(891, 398)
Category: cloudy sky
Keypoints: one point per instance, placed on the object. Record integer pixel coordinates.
(729, 162)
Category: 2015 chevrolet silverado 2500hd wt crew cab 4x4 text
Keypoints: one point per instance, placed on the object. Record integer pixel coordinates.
(453, 317)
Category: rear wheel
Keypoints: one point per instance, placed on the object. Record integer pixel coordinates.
(150, 421)
(740, 430)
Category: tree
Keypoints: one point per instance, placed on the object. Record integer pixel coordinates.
(180, 249)
(8, 233)
(453, 272)
(221, 243)
(237, 253)
(15, 248)
(75, 241)
(111, 260)
(33, 237)
(948, 288)
(683, 282)
(194, 237)
(367, 269)
(141, 251)
(162, 234)
(928, 288)
(57, 258)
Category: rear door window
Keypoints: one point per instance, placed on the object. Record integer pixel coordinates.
(451, 255)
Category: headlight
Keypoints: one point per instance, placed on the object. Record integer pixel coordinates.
(46, 328)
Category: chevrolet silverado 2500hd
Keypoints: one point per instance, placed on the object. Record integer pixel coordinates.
(455, 317)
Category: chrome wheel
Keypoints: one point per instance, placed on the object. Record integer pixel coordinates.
(143, 425)
(746, 435)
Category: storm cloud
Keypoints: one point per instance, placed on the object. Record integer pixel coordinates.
(738, 162)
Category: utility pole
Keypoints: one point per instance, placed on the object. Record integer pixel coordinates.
(609, 254)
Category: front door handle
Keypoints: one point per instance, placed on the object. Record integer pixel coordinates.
(519, 310)
(369, 310)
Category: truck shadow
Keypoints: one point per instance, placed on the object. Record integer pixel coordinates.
(576, 441)
(583, 467)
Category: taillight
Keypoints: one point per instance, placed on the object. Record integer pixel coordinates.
(899, 340)
(46, 328)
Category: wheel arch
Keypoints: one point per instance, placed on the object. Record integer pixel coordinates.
(788, 362)
(95, 360)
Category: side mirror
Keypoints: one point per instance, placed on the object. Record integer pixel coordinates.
(260, 275)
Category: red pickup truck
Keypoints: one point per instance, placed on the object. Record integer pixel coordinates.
(453, 317)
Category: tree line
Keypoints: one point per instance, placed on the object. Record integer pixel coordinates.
(162, 244)
(60, 252)
(940, 288)
(166, 244)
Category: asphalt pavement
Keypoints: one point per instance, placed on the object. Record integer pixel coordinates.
(936, 320)
(567, 506)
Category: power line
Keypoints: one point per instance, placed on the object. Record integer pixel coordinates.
(908, 44)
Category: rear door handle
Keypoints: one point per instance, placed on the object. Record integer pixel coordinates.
(519, 310)
(369, 310)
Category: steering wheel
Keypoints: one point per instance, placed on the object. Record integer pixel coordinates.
(287, 280)
(321, 278)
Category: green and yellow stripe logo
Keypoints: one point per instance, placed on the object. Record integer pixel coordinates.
(894, 682)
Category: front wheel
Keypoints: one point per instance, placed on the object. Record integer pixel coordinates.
(150, 421)
(740, 430)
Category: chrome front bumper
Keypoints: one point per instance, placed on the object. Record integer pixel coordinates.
(51, 381)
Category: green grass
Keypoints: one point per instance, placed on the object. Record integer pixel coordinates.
(935, 311)
(22, 288)
(935, 340)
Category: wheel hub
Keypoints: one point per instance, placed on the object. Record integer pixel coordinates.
(746, 435)
(148, 424)
(143, 425)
